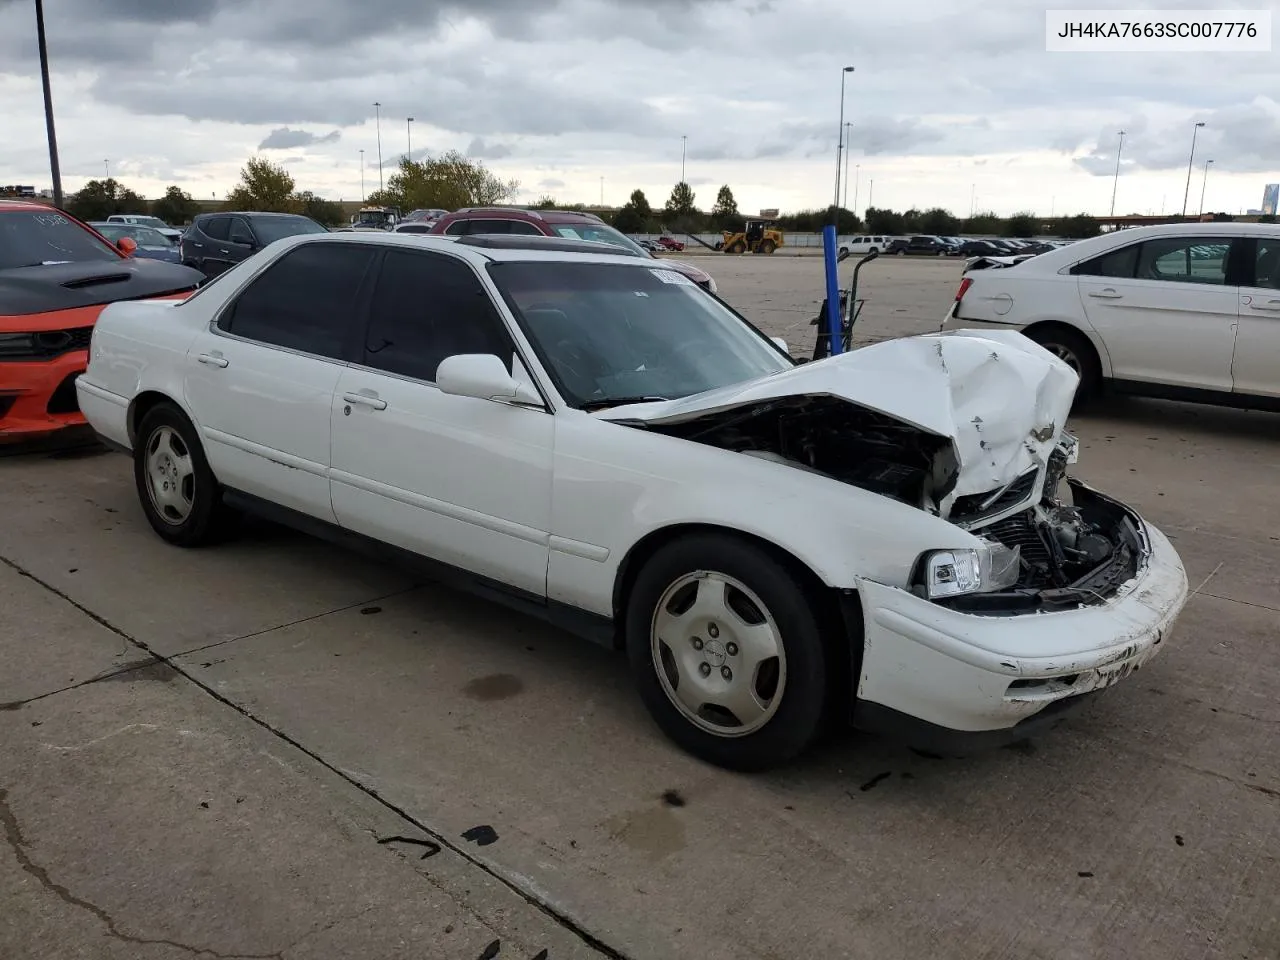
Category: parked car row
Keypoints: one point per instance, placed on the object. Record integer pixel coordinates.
(938, 246)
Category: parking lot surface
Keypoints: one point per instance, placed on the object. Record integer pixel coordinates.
(212, 752)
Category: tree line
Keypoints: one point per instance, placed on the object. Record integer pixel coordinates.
(451, 181)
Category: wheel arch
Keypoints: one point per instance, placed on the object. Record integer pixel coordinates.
(1047, 324)
(144, 403)
(840, 611)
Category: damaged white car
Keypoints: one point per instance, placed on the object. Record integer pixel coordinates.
(888, 536)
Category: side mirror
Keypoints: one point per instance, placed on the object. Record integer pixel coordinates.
(781, 345)
(484, 377)
(127, 245)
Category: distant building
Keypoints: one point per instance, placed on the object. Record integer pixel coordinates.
(1270, 198)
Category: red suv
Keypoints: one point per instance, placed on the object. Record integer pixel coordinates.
(570, 224)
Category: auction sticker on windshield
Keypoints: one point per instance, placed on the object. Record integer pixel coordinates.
(670, 276)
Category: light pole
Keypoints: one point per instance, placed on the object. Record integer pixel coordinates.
(857, 169)
(835, 201)
(106, 168)
(377, 107)
(408, 133)
(1116, 182)
(973, 199)
(847, 151)
(602, 191)
(1192, 159)
(54, 171)
(1204, 183)
(871, 192)
(362, 176)
(684, 150)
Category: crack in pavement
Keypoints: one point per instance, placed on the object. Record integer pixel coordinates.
(550, 910)
(18, 844)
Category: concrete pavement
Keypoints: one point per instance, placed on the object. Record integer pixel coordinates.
(318, 703)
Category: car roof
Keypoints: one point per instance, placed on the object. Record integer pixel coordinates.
(483, 249)
(248, 213)
(1070, 254)
(523, 213)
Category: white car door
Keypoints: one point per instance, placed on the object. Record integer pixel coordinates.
(460, 480)
(1256, 367)
(1164, 311)
(260, 380)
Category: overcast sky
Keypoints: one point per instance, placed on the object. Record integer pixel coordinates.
(950, 100)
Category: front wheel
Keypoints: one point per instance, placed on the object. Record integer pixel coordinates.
(738, 247)
(178, 491)
(768, 247)
(727, 652)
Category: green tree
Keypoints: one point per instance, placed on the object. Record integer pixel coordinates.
(1080, 227)
(319, 209)
(449, 182)
(680, 203)
(264, 186)
(628, 219)
(640, 203)
(983, 224)
(99, 199)
(1267, 218)
(725, 205)
(912, 221)
(939, 222)
(1023, 224)
(545, 202)
(176, 207)
(884, 221)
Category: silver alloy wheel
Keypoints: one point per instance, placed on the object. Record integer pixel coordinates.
(1066, 355)
(170, 474)
(718, 654)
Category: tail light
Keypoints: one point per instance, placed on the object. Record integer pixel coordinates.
(965, 284)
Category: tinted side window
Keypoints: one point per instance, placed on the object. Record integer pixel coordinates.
(240, 232)
(427, 307)
(1117, 263)
(525, 229)
(489, 226)
(216, 227)
(306, 300)
(457, 228)
(1267, 268)
(1185, 259)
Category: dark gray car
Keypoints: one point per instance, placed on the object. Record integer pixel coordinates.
(217, 241)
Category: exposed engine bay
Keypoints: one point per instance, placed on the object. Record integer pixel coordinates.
(1073, 546)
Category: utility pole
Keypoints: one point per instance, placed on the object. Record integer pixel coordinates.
(871, 192)
(835, 200)
(378, 126)
(408, 132)
(1192, 159)
(847, 151)
(362, 176)
(684, 149)
(1116, 182)
(54, 170)
(106, 168)
(1204, 183)
(857, 169)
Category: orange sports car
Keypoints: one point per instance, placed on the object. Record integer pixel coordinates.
(56, 275)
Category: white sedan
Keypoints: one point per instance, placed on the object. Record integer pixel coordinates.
(1188, 311)
(888, 535)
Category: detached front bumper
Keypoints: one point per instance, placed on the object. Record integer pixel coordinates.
(947, 680)
(38, 397)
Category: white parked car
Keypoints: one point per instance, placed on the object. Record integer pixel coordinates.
(1189, 311)
(143, 220)
(859, 246)
(888, 534)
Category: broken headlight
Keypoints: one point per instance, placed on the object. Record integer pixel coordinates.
(950, 573)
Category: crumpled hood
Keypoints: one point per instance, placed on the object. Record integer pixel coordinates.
(1000, 398)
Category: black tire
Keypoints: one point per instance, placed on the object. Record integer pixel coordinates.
(902, 253)
(874, 250)
(738, 247)
(797, 718)
(208, 518)
(768, 247)
(1075, 349)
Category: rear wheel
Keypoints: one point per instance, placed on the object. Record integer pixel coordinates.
(738, 247)
(901, 252)
(727, 652)
(768, 246)
(177, 489)
(1075, 350)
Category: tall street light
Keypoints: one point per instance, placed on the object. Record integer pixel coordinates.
(847, 151)
(106, 168)
(377, 107)
(1204, 183)
(835, 200)
(408, 133)
(857, 169)
(1187, 191)
(1116, 182)
(54, 170)
(684, 150)
(362, 176)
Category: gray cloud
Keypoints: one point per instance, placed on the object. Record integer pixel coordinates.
(284, 138)
(481, 149)
(551, 183)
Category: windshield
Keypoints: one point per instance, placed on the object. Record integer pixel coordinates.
(615, 333)
(599, 233)
(150, 222)
(269, 229)
(44, 236)
(143, 236)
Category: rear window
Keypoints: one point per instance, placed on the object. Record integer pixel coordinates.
(272, 228)
(46, 236)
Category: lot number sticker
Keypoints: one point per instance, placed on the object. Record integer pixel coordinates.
(670, 276)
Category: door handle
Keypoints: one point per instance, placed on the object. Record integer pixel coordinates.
(1105, 294)
(213, 360)
(365, 400)
(224, 251)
